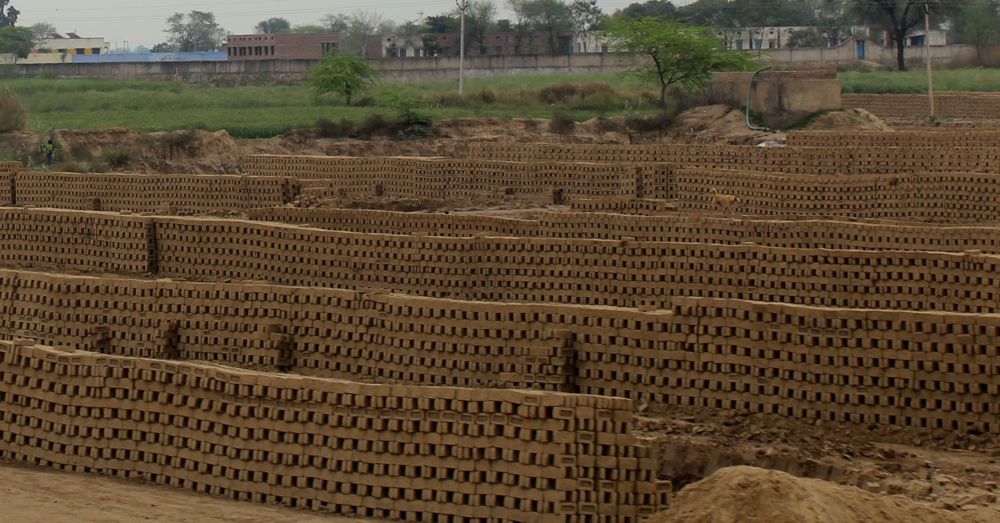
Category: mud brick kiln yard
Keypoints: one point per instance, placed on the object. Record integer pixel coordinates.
(579, 363)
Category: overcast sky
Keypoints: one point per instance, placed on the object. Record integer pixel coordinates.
(141, 22)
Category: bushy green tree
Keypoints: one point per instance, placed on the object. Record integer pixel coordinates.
(898, 17)
(8, 17)
(679, 54)
(273, 25)
(18, 41)
(978, 24)
(343, 75)
(196, 31)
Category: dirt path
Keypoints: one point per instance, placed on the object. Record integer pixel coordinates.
(32, 495)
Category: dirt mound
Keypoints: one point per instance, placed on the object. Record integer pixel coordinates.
(747, 494)
(848, 119)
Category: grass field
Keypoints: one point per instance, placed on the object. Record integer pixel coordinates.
(261, 111)
(915, 81)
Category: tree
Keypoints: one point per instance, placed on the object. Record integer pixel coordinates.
(442, 24)
(359, 27)
(806, 38)
(18, 41)
(550, 17)
(342, 75)
(8, 17)
(196, 31)
(273, 25)
(979, 25)
(337, 23)
(42, 30)
(586, 15)
(480, 19)
(163, 47)
(310, 28)
(898, 17)
(658, 8)
(679, 54)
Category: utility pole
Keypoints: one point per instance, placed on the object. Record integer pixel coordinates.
(462, 6)
(927, 54)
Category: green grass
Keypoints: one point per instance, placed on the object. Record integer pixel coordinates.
(915, 81)
(261, 111)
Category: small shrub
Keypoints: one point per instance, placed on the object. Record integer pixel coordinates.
(487, 96)
(449, 99)
(180, 140)
(608, 125)
(415, 124)
(365, 101)
(117, 159)
(330, 129)
(373, 125)
(80, 152)
(562, 124)
(13, 115)
(558, 93)
(655, 123)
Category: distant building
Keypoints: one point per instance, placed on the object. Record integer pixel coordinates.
(283, 46)
(207, 56)
(57, 48)
(446, 44)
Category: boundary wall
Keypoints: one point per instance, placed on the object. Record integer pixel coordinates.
(930, 138)
(672, 227)
(792, 160)
(964, 105)
(380, 451)
(915, 369)
(626, 273)
(938, 197)
(457, 179)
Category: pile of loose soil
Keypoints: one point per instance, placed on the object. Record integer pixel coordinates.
(747, 494)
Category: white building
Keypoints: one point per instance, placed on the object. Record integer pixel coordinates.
(61, 49)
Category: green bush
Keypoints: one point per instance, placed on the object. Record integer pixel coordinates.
(343, 75)
(13, 115)
(117, 159)
(562, 124)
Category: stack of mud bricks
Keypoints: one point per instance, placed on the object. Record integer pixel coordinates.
(82, 241)
(8, 171)
(946, 105)
(372, 451)
(368, 221)
(449, 179)
(586, 272)
(868, 367)
(960, 197)
(675, 227)
(922, 138)
(643, 206)
(621, 273)
(913, 369)
(321, 332)
(150, 192)
(791, 160)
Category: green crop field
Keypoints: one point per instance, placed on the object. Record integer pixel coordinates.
(261, 111)
(915, 81)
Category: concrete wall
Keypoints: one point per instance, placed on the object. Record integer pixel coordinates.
(778, 95)
(846, 55)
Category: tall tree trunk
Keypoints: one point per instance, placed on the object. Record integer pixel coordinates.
(901, 48)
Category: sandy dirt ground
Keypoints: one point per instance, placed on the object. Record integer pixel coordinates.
(29, 495)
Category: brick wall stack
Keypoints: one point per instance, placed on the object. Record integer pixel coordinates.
(963, 105)
(379, 451)
(151, 192)
(8, 170)
(449, 179)
(960, 197)
(79, 241)
(792, 160)
(672, 227)
(922, 138)
(914, 369)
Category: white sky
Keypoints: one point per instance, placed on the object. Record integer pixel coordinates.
(141, 22)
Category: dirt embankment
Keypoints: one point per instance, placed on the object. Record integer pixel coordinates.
(747, 495)
(195, 152)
